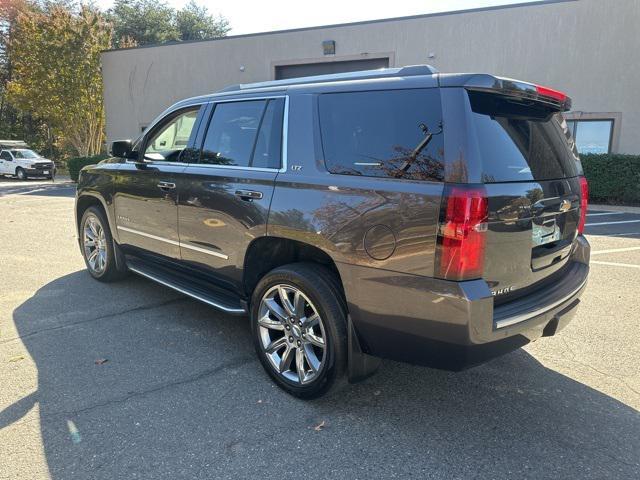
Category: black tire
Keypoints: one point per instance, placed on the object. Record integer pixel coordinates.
(110, 272)
(21, 174)
(318, 285)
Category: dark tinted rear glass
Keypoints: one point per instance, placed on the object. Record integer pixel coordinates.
(379, 133)
(521, 142)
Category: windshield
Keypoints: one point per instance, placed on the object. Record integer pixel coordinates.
(24, 153)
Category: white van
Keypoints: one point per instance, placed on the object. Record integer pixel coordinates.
(18, 160)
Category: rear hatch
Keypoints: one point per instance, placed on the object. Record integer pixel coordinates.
(527, 168)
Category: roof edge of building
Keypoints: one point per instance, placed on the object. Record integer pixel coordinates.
(349, 24)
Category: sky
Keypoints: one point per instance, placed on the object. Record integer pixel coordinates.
(251, 16)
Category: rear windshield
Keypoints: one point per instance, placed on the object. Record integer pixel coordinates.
(521, 142)
(387, 133)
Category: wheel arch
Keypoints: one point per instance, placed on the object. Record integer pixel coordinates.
(86, 200)
(266, 253)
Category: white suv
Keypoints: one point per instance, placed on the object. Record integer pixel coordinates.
(18, 160)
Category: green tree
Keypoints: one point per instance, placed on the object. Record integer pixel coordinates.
(139, 22)
(55, 55)
(194, 22)
(142, 22)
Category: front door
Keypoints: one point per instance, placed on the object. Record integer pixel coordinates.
(227, 194)
(145, 191)
(6, 163)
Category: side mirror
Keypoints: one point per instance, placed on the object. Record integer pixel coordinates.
(121, 148)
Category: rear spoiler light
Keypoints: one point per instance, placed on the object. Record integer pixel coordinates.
(554, 99)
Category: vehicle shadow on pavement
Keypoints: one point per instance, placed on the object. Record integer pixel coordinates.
(37, 187)
(136, 381)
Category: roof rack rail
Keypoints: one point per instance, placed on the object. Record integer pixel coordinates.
(408, 71)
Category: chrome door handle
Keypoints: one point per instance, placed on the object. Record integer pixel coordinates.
(166, 185)
(248, 194)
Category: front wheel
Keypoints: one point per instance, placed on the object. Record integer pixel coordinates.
(21, 174)
(298, 322)
(98, 246)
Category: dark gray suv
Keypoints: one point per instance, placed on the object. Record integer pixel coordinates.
(401, 213)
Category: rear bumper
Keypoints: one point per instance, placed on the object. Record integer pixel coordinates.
(453, 325)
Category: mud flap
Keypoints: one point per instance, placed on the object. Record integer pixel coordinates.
(360, 365)
(121, 263)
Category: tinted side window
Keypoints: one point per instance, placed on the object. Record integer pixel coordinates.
(232, 137)
(169, 140)
(5, 155)
(392, 133)
(268, 149)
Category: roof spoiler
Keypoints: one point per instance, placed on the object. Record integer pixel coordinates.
(509, 87)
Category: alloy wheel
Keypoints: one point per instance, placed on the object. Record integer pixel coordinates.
(292, 334)
(95, 244)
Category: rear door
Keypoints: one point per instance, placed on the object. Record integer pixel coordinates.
(523, 154)
(145, 191)
(228, 192)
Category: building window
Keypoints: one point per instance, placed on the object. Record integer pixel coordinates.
(593, 135)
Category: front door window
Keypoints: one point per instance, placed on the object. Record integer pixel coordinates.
(169, 140)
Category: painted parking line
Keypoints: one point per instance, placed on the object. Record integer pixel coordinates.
(627, 234)
(605, 213)
(615, 264)
(615, 250)
(611, 223)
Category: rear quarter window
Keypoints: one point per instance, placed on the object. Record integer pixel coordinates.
(378, 133)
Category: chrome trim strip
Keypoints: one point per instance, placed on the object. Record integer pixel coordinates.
(526, 316)
(174, 242)
(188, 293)
(205, 250)
(285, 135)
(148, 235)
(230, 167)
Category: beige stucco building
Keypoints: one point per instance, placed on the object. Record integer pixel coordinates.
(587, 48)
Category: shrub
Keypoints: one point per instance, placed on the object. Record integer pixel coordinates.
(74, 165)
(612, 178)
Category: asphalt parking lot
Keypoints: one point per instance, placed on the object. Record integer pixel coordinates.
(131, 380)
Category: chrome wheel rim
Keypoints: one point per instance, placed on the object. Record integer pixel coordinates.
(95, 244)
(292, 334)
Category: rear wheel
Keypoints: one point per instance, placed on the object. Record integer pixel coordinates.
(98, 246)
(21, 174)
(298, 322)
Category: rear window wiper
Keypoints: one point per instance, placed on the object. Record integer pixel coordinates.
(421, 146)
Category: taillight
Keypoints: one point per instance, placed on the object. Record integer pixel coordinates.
(462, 234)
(584, 201)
